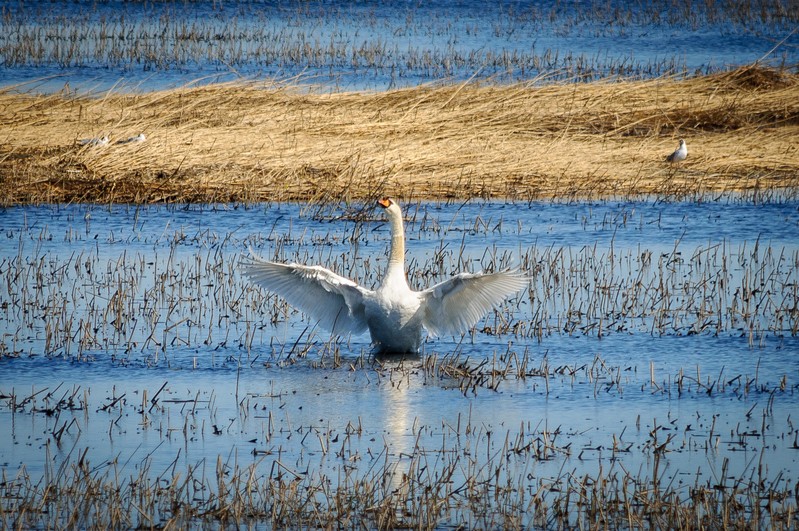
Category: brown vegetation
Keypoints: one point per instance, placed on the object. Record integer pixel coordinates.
(275, 143)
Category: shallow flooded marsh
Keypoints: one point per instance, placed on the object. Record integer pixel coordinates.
(97, 46)
(648, 374)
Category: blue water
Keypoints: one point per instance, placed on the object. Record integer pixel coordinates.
(378, 45)
(576, 224)
(229, 381)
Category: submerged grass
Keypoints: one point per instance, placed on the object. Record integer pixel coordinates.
(276, 142)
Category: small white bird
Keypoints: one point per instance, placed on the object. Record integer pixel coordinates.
(393, 313)
(102, 141)
(138, 138)
(679, 154)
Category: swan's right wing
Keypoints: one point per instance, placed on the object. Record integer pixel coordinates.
(335, 302)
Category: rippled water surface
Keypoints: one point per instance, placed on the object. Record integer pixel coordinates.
(128, 334)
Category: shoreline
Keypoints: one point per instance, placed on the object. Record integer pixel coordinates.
(248, 143)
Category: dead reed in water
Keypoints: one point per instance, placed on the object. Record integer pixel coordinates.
(276, 143)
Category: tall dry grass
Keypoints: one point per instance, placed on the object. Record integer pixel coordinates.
(259, 142)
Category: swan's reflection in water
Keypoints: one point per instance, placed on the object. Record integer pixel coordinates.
(399, 420)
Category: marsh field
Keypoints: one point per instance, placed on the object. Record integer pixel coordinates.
(646, 378)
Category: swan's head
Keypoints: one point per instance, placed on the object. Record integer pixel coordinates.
(391, 206)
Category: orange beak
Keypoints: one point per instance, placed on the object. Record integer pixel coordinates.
(385, 202)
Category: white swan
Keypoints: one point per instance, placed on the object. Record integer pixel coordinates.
(393, 313)
(680, 154)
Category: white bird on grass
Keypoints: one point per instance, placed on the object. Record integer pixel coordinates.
(138, 138)
(680, 154)
(102, 141)
(393, 313)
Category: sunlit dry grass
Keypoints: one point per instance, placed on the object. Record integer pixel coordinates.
(277, 142)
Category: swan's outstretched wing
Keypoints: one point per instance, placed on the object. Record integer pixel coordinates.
(455, 305)
(335, 302)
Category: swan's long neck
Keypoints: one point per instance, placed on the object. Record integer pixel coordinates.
(396, 258)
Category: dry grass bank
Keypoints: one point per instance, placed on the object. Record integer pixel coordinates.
(257, 142)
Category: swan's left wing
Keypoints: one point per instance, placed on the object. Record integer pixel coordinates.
(455, 305)
(335, 302)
